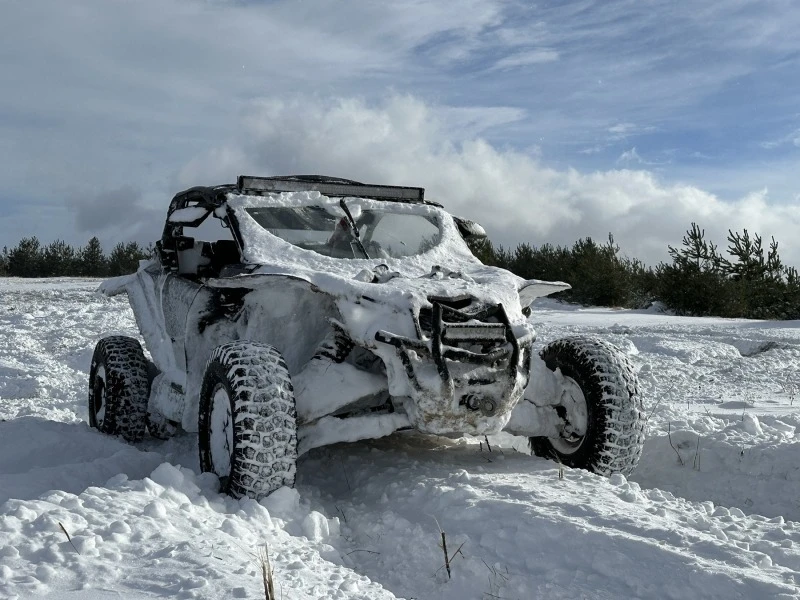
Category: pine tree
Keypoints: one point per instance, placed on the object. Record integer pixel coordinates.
(696, 282)
(4, 261)
(753, 282)
(761, 280)
(92, 261)
(26, 259)
(482, 249)
(125, 258)
(749, 254)
(58, 260)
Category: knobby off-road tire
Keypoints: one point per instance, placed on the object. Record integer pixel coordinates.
(614, 433)
(119, 388)
(248, 429)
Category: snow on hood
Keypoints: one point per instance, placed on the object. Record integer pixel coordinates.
(448, 269)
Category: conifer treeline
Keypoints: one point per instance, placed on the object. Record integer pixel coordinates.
(748, 280)
(751, 281)
(30, 259)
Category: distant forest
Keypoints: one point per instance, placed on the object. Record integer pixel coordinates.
(58, 259)
(746, 280)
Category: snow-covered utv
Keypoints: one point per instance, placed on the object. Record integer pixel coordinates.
(325, 310)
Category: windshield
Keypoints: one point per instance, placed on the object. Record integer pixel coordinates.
(378, 233)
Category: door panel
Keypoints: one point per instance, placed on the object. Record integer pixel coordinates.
(177, 296)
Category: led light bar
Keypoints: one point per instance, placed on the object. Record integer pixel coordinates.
(327, 188)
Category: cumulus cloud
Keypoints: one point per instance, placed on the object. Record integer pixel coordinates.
(630, 156)
(405, 141)
(121, 212)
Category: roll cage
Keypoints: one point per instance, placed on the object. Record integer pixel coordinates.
(209, 258)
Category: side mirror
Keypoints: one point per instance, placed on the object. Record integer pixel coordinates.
(535, 288)
(469, 230)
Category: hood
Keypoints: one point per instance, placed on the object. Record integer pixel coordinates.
(378, 293)
(380, 299)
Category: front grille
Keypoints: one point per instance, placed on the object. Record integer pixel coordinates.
(455, 310)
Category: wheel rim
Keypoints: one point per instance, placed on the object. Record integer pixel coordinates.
(221, 432)
(99, 403)
(576, 418)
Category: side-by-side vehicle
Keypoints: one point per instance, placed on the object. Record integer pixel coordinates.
(320, 310)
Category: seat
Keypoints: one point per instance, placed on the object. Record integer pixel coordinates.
(222, 254)
(192, 256)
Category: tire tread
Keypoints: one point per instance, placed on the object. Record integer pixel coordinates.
(262, 390)
(618, 447)
(127, 386)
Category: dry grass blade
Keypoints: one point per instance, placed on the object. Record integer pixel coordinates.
(444, 548)
(696, 462)
(557, 458)
(660, 398)
(346, 478)
(266, 573)
(669, 437)
(447, 558)
(69, 539)
(341, 512)
(362, 550)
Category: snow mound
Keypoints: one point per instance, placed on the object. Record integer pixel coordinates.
(711, 511)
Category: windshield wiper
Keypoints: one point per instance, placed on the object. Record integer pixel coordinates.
(353, 229)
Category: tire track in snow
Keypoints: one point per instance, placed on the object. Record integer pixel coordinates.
(529, 534)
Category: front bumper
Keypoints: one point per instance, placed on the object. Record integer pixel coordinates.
(466, 371)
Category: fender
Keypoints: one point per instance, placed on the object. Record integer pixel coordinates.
(536, 288)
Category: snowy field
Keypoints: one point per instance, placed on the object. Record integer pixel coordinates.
(713, 510)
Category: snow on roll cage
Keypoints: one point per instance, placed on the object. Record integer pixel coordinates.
(359, 347)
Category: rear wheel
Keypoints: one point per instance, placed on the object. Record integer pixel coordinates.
(601, 409)
(248, 430)
(118, 388)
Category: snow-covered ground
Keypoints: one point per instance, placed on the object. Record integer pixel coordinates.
(713, 511)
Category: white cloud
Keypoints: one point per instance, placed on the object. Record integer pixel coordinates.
(527, 58)
(103, 95)
(791, 139)
(405, 141)
(592, 149)
(466, 122)
(630, 156)
(621, 130)
(613, 135)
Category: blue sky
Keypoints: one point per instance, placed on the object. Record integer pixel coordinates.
(545, 121)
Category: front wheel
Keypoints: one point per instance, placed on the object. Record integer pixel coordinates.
(600, 406)
(248, 430)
